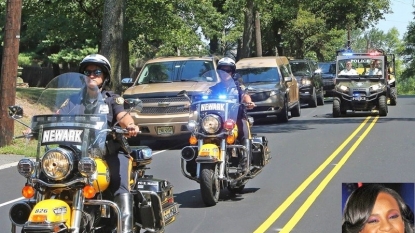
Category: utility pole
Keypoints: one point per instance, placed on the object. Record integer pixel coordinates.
(258, 40)
(9, 68)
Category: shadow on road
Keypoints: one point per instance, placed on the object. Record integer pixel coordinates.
(327, 119)
(193, 198)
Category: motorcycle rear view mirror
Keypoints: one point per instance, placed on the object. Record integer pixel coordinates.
(134, 104)
(183, 93)
(15, 112)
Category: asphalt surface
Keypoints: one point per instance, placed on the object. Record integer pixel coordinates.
(9, 160)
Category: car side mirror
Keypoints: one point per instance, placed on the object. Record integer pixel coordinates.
(127, 82)
(288, 79)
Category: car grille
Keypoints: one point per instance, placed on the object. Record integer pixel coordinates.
(327, 82)
(261, 96)
(165, 109)
(166, 99)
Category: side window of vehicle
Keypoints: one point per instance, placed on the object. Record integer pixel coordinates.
(285, 71)
(332, 69)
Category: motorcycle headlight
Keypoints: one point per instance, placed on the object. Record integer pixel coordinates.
(87, 166)
(25, 167)
(57, 163)
(211, 123)
(191, 125)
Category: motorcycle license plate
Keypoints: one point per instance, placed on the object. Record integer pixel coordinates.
(170, 212)
(164, 130)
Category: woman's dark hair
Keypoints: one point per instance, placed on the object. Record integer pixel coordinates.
(360, 203)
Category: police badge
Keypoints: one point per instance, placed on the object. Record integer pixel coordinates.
(119, 100)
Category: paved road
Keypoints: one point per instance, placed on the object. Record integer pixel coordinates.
(300, 190)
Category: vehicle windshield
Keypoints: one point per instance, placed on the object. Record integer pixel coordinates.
(221, 99)
(328, 68)
(259, 75)
(72, 113)
(300, 68)
(176, 71)
(361, 66)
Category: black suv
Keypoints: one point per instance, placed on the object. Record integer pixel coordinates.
(328, 73)
(310, 81)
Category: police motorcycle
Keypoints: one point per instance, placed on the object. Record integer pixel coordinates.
(67, 183)
(214, 155)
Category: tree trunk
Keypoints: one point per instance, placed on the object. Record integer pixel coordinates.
(258, 41)
(112, 38)
(248, 30)
(9, 69)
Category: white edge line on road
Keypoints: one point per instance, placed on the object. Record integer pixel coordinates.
(9, 202)
(4, 166)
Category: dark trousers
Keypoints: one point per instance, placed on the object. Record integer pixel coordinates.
(119, 173)
(243, 130)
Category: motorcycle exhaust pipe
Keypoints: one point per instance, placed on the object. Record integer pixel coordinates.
(19, 213)
(188, 153)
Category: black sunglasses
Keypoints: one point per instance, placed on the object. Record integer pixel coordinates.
(95, 72)
(226, 70)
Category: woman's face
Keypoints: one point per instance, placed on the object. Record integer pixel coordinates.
(385, 216)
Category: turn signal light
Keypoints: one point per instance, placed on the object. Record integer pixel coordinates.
(229, 124)
(230, 139)
(89, 191)
(39, 218)
(192, 140)
(28, 191)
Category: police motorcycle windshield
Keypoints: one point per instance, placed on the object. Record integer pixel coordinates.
(219, 103)
(73, 115)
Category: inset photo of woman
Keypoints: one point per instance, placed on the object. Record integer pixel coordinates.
(378, 207)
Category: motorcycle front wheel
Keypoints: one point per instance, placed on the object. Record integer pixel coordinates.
(209, 183)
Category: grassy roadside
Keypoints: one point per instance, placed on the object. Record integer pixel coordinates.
(26, 98)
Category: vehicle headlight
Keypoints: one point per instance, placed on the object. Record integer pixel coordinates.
(25, 167)
(211, 123)
(305, 81)
(191, 125)
(272, 93)
(57, 163)
(87, 166)
(343, 88)
(375, 87)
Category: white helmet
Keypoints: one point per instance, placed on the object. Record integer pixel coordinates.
(98, 60)
(226, 61)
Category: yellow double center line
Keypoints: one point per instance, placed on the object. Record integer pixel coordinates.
(301, 211)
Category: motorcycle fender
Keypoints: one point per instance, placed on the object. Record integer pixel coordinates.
(209, 152)
(101, 176)
(51, 211)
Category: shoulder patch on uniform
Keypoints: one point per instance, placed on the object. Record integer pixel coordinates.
(119, 100)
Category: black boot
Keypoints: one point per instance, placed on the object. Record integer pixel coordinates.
(125, 203)
(243, 161)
